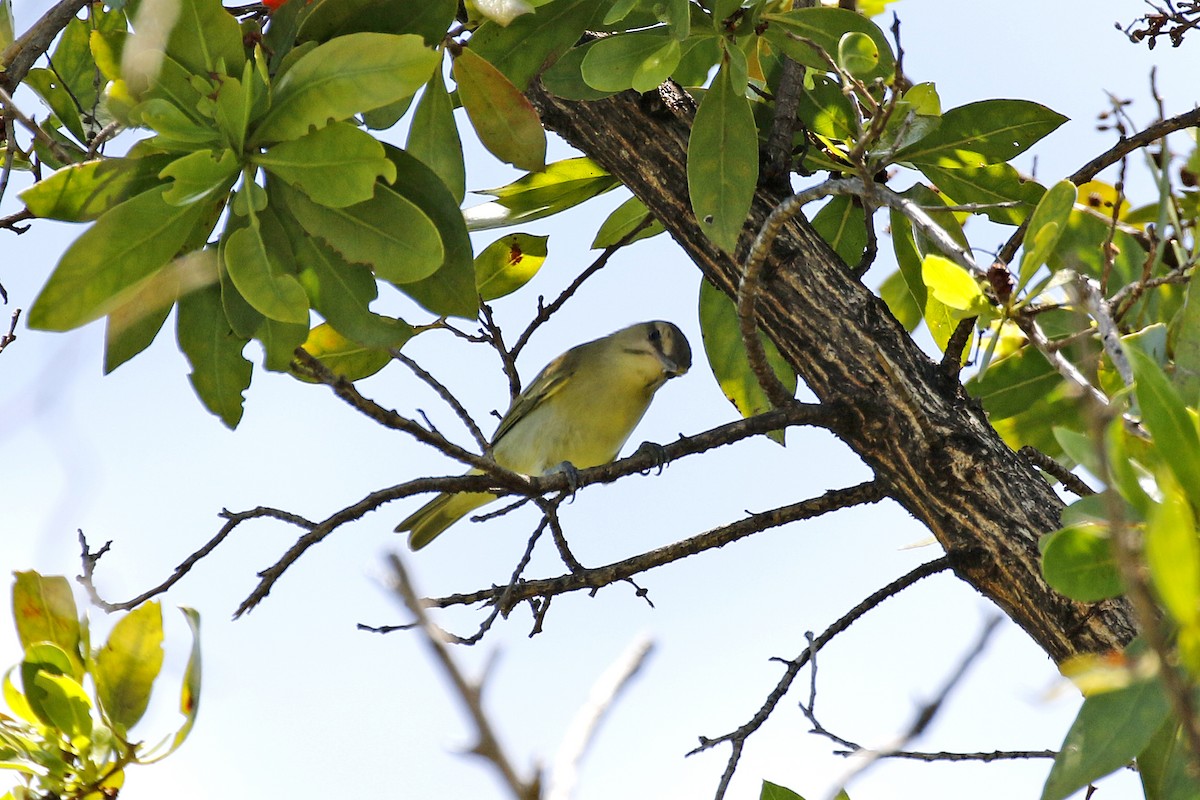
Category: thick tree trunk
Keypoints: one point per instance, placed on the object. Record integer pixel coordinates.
(917, 428)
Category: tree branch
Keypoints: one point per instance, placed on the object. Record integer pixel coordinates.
(737, 739)
(508, 597)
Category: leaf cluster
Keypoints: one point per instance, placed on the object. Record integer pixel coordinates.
(71, 706)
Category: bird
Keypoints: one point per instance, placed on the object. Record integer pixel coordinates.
(577, 413)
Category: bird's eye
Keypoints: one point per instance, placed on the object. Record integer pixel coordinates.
(655, 334)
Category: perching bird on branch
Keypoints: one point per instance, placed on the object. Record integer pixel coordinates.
(579, 410)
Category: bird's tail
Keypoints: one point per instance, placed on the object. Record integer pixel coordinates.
(439, 514)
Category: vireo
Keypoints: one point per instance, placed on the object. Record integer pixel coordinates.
(580, 409)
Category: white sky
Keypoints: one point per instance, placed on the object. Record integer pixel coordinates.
(297, 703)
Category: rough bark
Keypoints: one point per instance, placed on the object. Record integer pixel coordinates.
(904, 417)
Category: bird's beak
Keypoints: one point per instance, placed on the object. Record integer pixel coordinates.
(672, 369)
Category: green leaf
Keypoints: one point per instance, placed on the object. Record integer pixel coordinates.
(858, 55)
(41, 658)
(205, 38)
(1173, 554)
(433, 137)
(1014, 383)
(1164, 766)
(843, 223)
(82, 192)
(126, 667)
(343, 77)
(985, 132)
(624, 219)
(1166, 417)
(908, 258)
(564, 78)
(728, 360)
(330, 18)
(825, 110)
(6, 24)
(1046, 226)
(55, 95)
(388, 232)
(990, 183)
(1078, 562)
(525, 45)
(219, 371)
(1081, 449)
(199, 176)
(279, 341)
(507, 123)
(124, 246)
(953, 286)
(894, 292)
(335, 166)
(1109, 732)
(189, 695)
(773, 791)
(65, 703)
(613, 64)
(508, 263)
(345, 358)
(134, 324)
(451, 290)
(342, 292)
(1185, 338)
(826, 27)
(1082, 247)
(561, 185)
(268, 289)
(44, 611)
(722, 163)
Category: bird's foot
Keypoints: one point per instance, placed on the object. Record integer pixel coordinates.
(572, 473)
(656, 452)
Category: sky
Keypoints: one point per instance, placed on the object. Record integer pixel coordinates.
(297, 702)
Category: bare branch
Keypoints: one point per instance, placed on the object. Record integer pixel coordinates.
(446, 396)
(926, 714)
(469, 692)
(233, 520)
(599, 577)
(11, 336)
(11, 110)
(1091, 169)
(545, 312)
(1047, 464)
(502, 481)
(737, 739)
(19, 57)
(565, 774)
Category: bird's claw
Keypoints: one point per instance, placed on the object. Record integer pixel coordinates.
(657, 453)
(572, 473)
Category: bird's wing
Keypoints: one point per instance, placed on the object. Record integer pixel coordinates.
(547, 384)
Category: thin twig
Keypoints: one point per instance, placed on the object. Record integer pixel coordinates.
(446, 396)
(470, 693)
(1069, 479)
(927, 712)
(39, 133)
(545, 312)
(20, 56)
(565, 774)
(11, 336)
(737, 739)
(87, 579)
(1091, 169)
(599, 577)
(500, 481)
